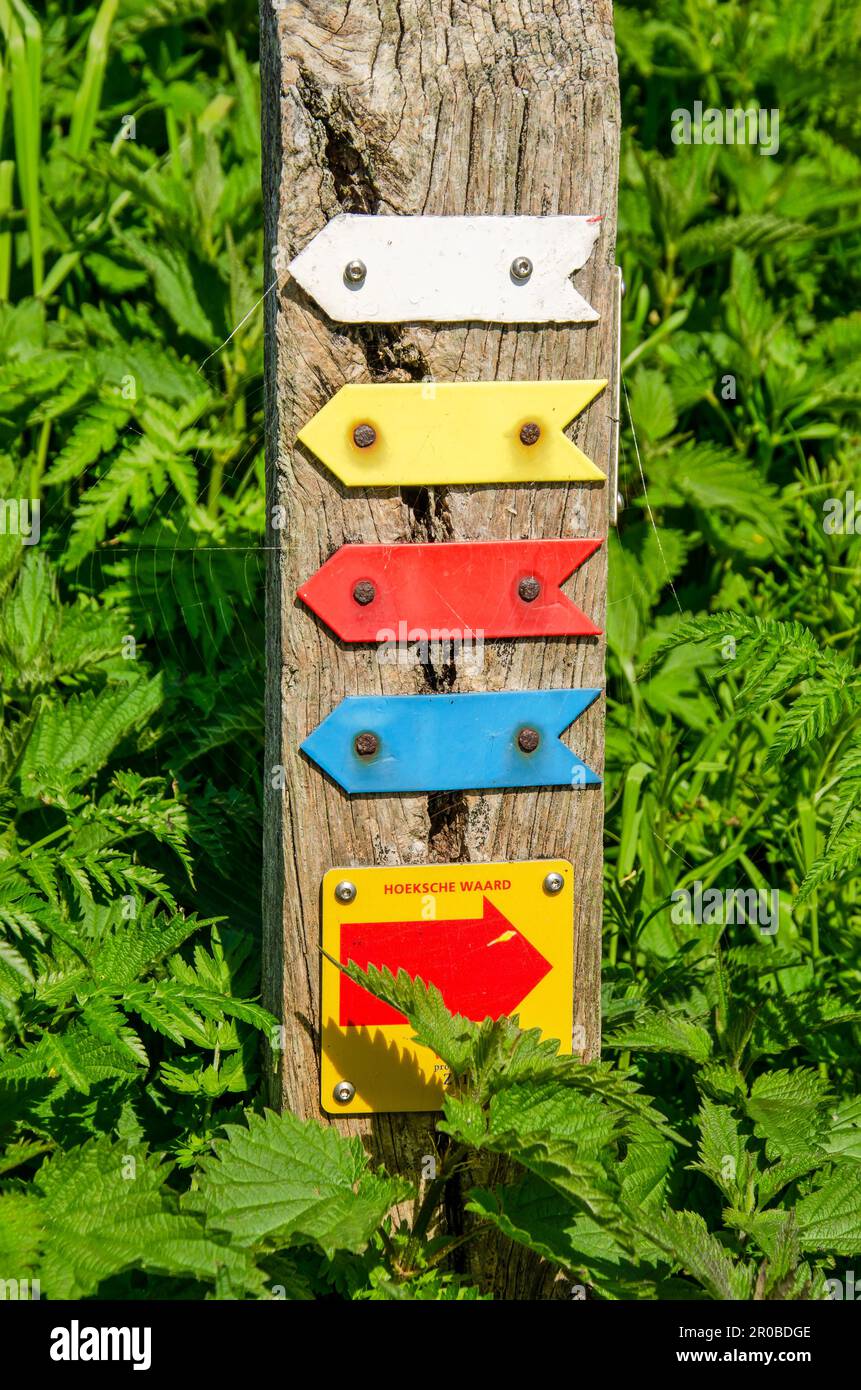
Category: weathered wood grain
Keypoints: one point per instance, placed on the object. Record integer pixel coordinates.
(423, 106)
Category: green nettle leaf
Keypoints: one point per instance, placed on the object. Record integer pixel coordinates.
(28, 615)
(716, 479)
(174, 286)
(532, 1213)
(646, 1168)
(550, 1110)
(652, 404)
(287, 1181)
(830, 1218)
(110, 1026)
(781, 1174)
(553, 1131)
(71, 741)
(843, 1139)
(486, 1058)
(137, 944)
(105, 1210)
(723, 1155)
(789, 1111)
(662, 1032)
(686, 1240)
(22, 1233)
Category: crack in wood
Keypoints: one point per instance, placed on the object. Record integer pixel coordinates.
(448, 814)
(343, 152)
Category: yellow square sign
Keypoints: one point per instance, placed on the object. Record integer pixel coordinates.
(494, 938)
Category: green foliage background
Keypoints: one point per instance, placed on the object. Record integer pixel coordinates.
(716, 1152)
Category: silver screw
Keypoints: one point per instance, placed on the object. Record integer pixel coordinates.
(521, 268)
(355, 272)
(554, 883)
(345, 891)
(623, 288)
(344, 1092)
(620, 502)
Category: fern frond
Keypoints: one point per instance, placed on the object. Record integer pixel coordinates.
(842, 856)
(94, 434)
(772, 637)
(815, 711)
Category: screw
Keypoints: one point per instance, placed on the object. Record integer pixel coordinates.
(345, 891)
(528, 740)
(620, 502)
(364, 436)
(623, 288)
(355, 272)
(529, 589)
(554, 883)
(344, 1092)
(530, 433)
(366, 745)
(364, 592)
(521, 269)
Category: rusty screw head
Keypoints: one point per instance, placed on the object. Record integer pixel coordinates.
(529, 589)
(364, 436)
(530, 433)
(521, 269)
(364, 592)
(528, 740)
(366, 745)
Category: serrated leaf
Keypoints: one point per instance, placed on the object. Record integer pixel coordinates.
(22, 1232)
(174, 286)
(830, 1218)
(686, 1240)
(285, 1180)
(110, 1026)
(106, 1211)
(72, 740)
(663, 1032)
(723, 1153)
(94, 434)
(788, 1110)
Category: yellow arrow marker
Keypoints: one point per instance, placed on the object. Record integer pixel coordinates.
(411, 435)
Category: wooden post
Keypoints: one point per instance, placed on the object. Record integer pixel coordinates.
(379, 107)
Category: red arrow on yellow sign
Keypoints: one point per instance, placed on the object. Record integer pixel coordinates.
(483, 967)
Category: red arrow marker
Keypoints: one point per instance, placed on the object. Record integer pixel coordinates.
(482, 967)
(379, 593)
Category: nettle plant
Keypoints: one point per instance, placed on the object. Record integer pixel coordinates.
(289, 1209)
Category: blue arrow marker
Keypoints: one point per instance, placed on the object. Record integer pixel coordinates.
(441, 743)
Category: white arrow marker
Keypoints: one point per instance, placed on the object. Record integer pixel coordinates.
(364, 269)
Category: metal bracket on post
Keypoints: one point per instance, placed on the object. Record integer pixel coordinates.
(613, 497)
